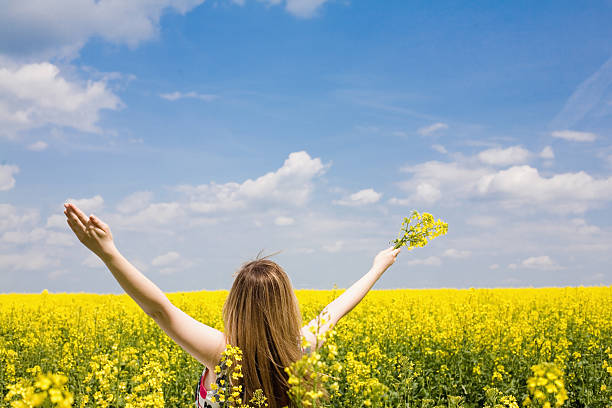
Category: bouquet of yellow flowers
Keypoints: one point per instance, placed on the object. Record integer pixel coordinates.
(418, 229)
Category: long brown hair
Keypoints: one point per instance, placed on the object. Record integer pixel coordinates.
(262, 317)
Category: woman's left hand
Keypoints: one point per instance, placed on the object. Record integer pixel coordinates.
(385, 258)
(91, 231)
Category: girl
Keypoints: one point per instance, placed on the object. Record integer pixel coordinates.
(261, 314)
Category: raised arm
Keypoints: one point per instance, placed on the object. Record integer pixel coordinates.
(203, 342)
(344, 303)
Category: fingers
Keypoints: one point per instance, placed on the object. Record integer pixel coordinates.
(98, 223)
(82, 217)
(72, 227)
(75, 221)
(80, 224)
(393, 251)
(78, 231)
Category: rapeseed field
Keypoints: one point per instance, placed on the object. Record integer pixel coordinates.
(398, 348)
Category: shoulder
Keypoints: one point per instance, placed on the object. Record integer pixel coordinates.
(219, 353)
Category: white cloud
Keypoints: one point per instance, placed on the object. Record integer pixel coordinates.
(362, 197)
(319, 224)
(88, 205)
(12, 217)
(35, 95)
(56, 221)
(63, 27)
(483, 221)
(428, 130)
(427, 193)
(22, 237)
(155, 214)
(7, 181)
(580, 226)
(400, 201)
(547, 153)
(504, 157)
(299, 8)
(567, 192)
(456, 253)
(429, 261)
(27, 261)
(283, 221)
(135, 202)
(174, 96)
(60, 239)
(37, 146)
(514, 187)
(539, 262)
(60, 29)
(494, 267)
(302, 8)
(170, 263)
(290, 184)
(166, 259)
(574, 136)
(439, 148)
(551, 234)
(444, 173)
(335, 247)
(430, 179)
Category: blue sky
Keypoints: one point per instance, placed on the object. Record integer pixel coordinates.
(203, 132)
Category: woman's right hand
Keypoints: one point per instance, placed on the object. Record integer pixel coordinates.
(92, 232)
(385, 259)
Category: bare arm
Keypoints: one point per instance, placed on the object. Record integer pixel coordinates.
(149, 297)
(203, 342)
(344, 303)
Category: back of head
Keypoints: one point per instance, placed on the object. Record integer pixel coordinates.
(262, 317)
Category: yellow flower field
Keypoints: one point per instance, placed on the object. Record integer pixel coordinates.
(397, 348)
